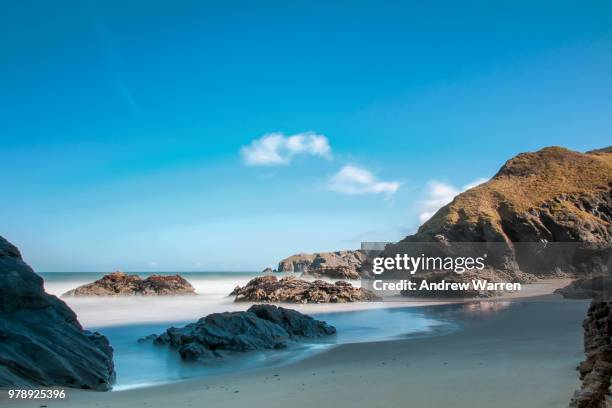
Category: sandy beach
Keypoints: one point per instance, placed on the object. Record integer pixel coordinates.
(532, 345)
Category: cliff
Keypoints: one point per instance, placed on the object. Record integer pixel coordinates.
(41, 340)
(554, 194)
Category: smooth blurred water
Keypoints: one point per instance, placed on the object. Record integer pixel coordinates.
(142, 364)
(126, 319)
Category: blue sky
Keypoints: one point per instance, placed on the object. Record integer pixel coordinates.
(200, 135)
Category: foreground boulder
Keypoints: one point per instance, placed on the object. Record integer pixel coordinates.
(293, 290)
(260, 327)
(41, 341)
(596, 369)
(122, 284)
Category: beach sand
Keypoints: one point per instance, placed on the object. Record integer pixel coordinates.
(507, 354)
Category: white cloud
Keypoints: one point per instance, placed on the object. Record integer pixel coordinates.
(439, 194)
(273, 149)
(474, 183)
(356, 180)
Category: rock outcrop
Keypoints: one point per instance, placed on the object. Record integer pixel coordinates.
(350, 260)
(553, 196)
(596, 369)
(293, 290)
(122, 284)
(41, 340)
(260, 327)
(333, 272)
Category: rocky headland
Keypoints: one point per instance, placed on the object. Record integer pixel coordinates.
(545, 214)
(260, 327)
(293, 290)
(123, 284)
(41, 340)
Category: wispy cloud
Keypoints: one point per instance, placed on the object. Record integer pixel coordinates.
(273, 149)
(356, 180)
(439, 194)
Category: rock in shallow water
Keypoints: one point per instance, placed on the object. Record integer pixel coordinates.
(122, 284)
(293, 290)
(260, 327)
(41, 341)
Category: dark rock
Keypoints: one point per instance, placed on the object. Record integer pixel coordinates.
(195, 351)
(122, 284)
(596, 369)
(294, 322)
(293, 290)
(41, 340)
(235, 331)
(261, 327)
(150, 337)
(267, 270)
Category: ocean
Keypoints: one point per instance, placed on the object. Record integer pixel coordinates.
(126, 319)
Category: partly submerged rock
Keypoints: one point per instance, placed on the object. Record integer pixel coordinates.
(260, 327)
(41, 340)
(295, 323)
(268, 270)
(293, 290)
(596, 369)
(122, 284)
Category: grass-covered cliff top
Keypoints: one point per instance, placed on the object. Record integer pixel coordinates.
(526, 182)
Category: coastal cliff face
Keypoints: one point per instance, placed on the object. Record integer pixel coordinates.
(554, 194)
(596, 369)
(41, 340)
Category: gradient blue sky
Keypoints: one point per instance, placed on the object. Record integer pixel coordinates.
(123, 121)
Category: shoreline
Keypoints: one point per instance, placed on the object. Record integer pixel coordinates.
(149, 310)
(481, 365)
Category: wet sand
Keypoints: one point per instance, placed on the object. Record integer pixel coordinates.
(506, 354)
